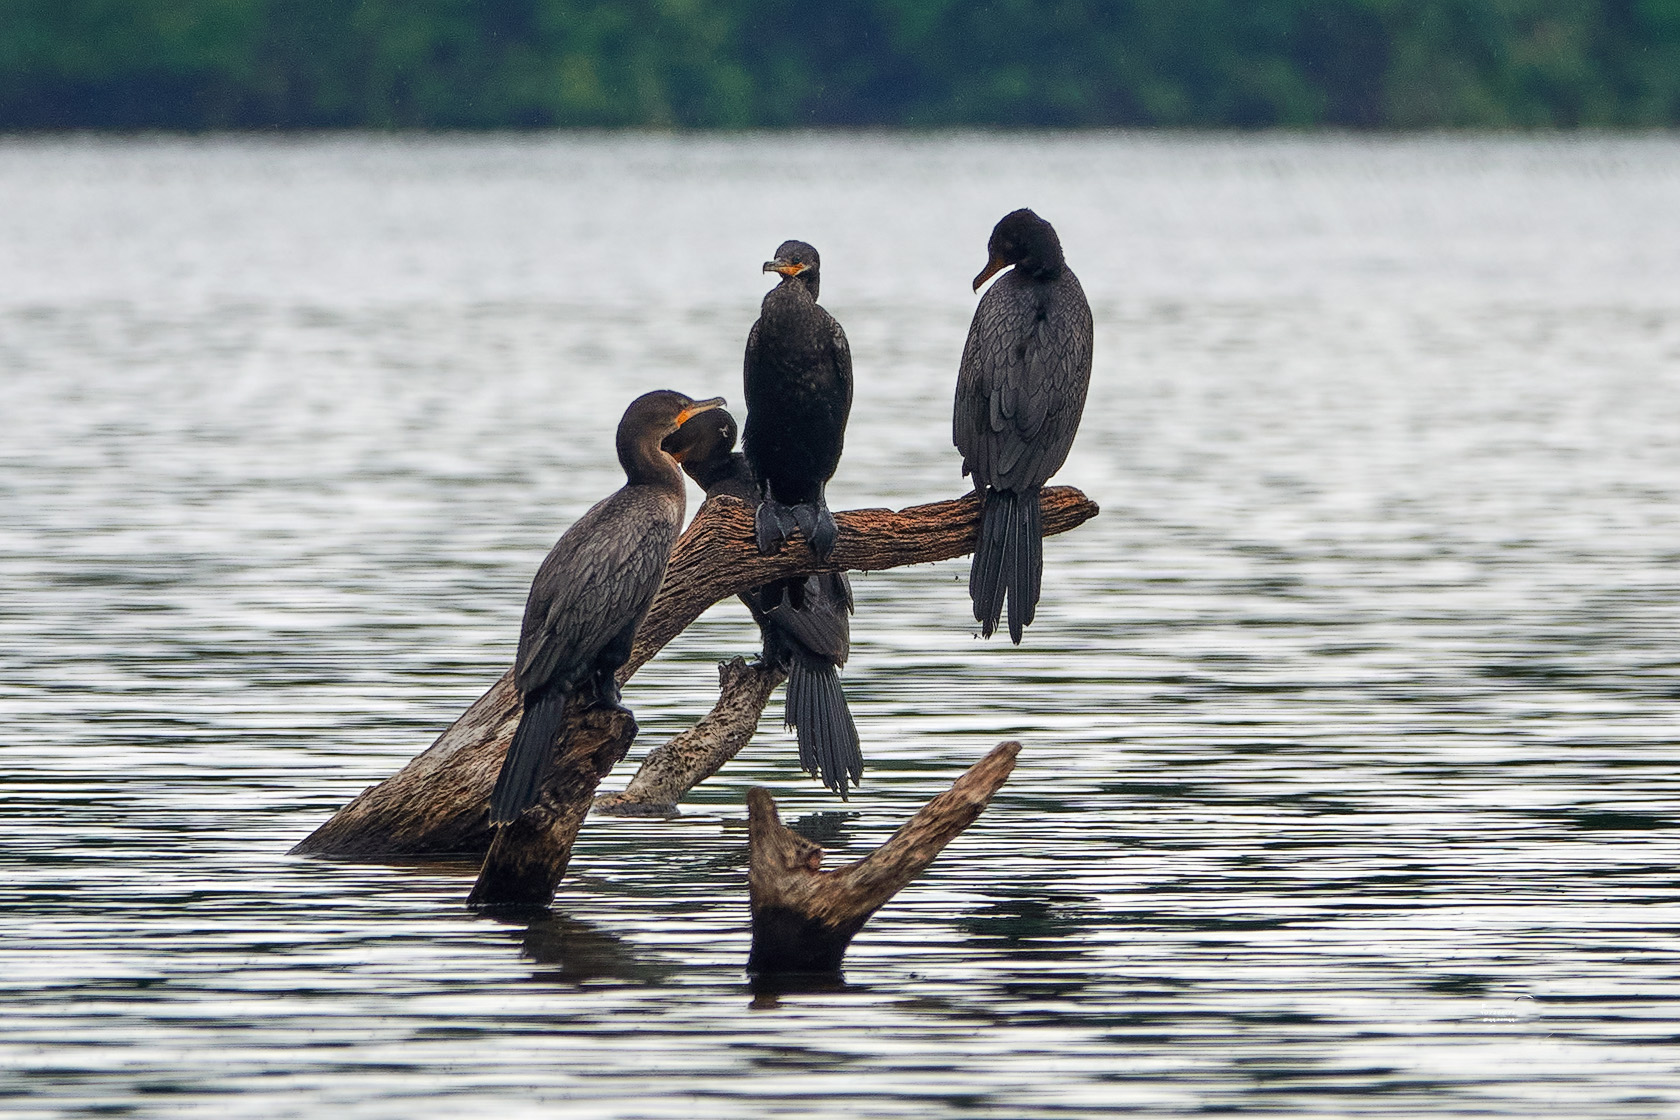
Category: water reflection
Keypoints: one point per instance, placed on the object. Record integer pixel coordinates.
(577, 952)
(1046, 924)
(830, 829)
(771, 989)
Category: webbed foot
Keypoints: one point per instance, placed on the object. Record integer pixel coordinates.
(772, 525)
(824, 534)
(607, 694)
(818, 525)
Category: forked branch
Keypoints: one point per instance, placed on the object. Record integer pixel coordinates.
(803, 918)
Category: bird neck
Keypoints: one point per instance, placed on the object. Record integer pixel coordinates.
(646, 465)
(808, 281)
(1043, 264)
(709, 472)
(1043, 259)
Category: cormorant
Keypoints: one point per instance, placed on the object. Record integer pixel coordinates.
(592, 591)
(1025, 369)
(799, 392)
(803, 620)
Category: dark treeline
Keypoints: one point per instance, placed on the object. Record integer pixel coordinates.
(192, 64)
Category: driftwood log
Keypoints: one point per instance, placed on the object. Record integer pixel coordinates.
(803, 918)
(438, 804)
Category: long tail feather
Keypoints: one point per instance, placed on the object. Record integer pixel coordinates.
(1026, 571)
(1008, 561)
(528, 756)
(816, 710)
(985, 574)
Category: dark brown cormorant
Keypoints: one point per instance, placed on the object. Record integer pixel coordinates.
(799, 393)
(591, 593)
(1025, 370)
(803, 621)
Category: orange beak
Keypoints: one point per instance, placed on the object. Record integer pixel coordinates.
(697, 408)
(786, 268)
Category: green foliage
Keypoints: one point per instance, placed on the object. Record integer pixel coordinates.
(741, 63)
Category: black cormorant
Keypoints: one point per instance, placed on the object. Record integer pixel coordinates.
(1020, 393)
(803, 620)
(799, 393)
(592, 591)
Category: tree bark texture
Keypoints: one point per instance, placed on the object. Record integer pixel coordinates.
(688, 759)
(438, 804)
(803, 918)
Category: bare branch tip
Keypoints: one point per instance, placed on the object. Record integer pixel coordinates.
(761, 807)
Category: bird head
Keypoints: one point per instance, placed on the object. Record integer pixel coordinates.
(703, 444)
(1023, 239)
(796, 260)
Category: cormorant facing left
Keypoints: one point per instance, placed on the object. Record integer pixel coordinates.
(799, 392)
(592, 592)
(1025, 369)
(803, 620)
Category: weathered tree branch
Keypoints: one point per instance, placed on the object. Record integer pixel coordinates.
(715, 557)
(439, 803)
(690, 758)
(803, 918)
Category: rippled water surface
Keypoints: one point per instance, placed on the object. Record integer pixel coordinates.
(1348, 784)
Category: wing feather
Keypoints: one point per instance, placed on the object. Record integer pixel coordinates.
(1021, 388)
(842, 352)
(600, 576)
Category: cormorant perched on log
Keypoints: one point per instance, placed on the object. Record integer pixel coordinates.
(799, 393)
(1020, 393)
(591, 593)
(803, 621)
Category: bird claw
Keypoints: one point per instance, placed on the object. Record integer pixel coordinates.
(823, 533)
(607, 695)
(817, 526)
(772, 525)
(805, 516)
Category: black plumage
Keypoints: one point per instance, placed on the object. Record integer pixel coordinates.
(592, 592)
(804, 621)
(798, 374)
(1020, 393)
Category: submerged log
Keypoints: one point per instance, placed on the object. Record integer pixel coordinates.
(803, 918)
(438, 804)
(528, 856)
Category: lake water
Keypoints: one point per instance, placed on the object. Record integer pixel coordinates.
(1349, 779)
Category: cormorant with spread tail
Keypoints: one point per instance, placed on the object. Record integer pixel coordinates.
(799, 392)
(803, 621)
(592, 592)
(1025, 370)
